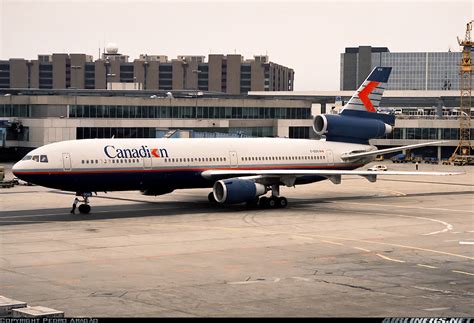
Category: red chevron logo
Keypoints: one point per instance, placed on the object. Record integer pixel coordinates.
(364, 95)
(155, 153)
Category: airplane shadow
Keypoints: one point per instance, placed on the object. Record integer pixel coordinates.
(175, 208)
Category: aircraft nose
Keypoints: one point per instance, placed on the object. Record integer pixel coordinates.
(16, 168)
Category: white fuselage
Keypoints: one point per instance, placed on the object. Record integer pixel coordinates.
(130, 164)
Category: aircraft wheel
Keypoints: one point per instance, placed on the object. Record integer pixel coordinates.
(253, 203)
(84, 208)
(272, 202)
(282, 202)
(211, 199)
(263, 202)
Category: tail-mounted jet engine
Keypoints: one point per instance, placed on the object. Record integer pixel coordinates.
(338, 127)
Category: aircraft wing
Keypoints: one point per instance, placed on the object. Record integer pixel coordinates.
(355, 155)
(288, 176)
(323, 172)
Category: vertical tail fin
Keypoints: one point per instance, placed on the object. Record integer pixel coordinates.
(366, 99)
(369, 94)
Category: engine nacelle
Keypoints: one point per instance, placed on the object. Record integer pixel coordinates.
(233, 191)
(157, 191)
(348, 128)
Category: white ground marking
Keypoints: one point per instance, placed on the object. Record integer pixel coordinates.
(301, 279)
(433, 289)
(332, 242)
(245, 282)
(387, 258)
(91, 214)
(311, 235)
(427, 266)
(463, 272)
(446, 229)
(436, 309)
(408, 207)
(466, 242)
(363, 249)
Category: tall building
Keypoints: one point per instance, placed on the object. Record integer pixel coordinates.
(410, 71)
(230, 74)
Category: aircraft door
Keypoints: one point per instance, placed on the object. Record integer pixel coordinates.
(66, 161)
(233, 159)
(147, 163)
(330, 157)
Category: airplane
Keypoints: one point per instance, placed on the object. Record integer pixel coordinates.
(239, 170)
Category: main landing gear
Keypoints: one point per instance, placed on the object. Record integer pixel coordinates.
(275, 201)
(264, 202)
(84, 208)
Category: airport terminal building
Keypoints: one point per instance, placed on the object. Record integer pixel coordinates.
(231, 74)
(70, 96)
(419, 71)
(32, 118)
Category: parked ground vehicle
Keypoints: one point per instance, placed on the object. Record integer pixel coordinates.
(461, 160)
(378, 168)
(430, 160)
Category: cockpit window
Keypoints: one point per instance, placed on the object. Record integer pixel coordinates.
(43, 158)
(36, 158)
(27, 157)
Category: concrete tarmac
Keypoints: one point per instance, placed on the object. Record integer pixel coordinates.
(403, 246)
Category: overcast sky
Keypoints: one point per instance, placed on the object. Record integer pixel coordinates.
(307, 36)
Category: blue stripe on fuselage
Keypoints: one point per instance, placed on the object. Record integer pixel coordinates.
(129, 181)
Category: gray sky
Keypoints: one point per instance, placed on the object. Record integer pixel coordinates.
(307, 36)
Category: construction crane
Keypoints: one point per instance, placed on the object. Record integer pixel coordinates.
(462, 153)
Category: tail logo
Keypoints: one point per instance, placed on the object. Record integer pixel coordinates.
(364, 95)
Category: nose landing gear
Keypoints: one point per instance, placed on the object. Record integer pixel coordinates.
(84, 208)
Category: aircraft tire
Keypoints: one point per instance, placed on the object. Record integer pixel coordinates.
(282, 202)
(263, 202)
(211, 199)
(84, 208)
(273, 202)
(252, 203)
